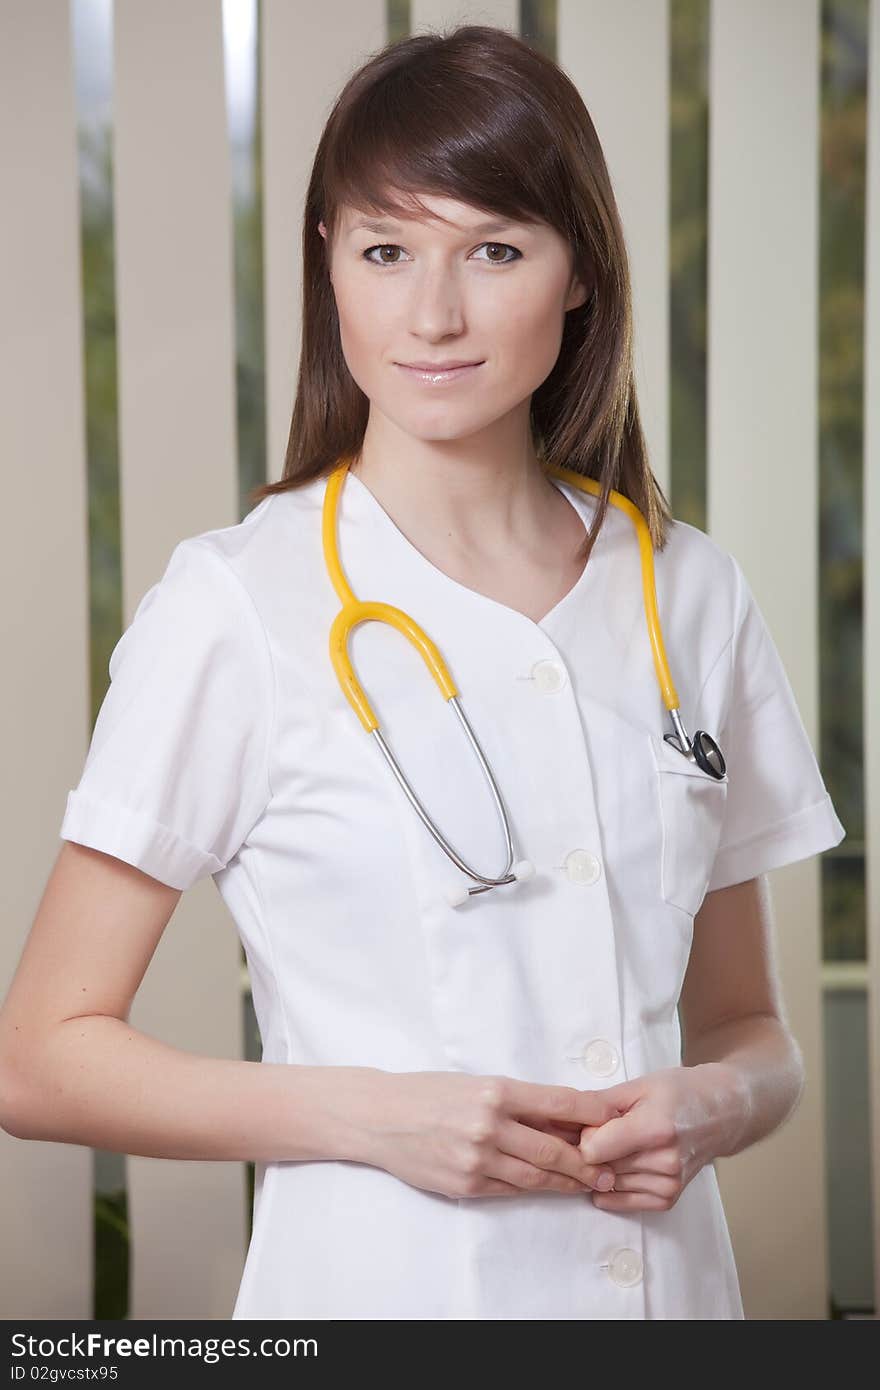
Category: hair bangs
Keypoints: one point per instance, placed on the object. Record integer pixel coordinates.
(452, 133)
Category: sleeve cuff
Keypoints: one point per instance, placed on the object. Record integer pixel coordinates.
(147, 844)
(808, 832)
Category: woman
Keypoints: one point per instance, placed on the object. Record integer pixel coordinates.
(451, 1080)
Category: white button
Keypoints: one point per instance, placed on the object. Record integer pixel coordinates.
(625, 1267)
(600, 1057)
(582, 866)
(549, 675)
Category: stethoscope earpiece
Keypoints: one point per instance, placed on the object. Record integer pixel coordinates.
(457, 893)
(523, 869)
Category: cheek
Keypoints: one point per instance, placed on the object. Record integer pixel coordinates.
(528, 332)
(362, 339)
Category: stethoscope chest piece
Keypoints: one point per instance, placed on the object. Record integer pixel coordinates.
(706, 753)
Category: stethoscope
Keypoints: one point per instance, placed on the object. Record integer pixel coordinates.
(703, 751)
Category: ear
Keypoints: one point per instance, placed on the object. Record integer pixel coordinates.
(323, 230)
(578, 294)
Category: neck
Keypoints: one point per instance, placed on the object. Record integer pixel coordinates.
(482, 497)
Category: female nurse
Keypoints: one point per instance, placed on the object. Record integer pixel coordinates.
(479, 1105)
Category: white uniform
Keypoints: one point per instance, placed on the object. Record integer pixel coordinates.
(225, 747)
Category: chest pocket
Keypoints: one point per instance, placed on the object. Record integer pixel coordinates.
(692, 806)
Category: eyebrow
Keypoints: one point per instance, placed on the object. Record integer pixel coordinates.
(482, 229)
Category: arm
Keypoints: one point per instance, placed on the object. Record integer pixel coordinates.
(73, 1070)
(742, 1071)
(732, 1013)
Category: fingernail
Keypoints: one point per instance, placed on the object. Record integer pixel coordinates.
(605, 1181)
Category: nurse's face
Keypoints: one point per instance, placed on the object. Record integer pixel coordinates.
(474, 290)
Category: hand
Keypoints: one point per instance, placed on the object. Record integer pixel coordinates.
(473, 1136)
(672, 1123)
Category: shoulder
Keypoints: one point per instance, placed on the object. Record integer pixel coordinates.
(700, 591)
(264, 534)
(690, 556)
(210, 601)
(259, 554)
(690, 550)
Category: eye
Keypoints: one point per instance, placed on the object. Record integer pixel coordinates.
(386, 246)
(391, 246)
(501, 245)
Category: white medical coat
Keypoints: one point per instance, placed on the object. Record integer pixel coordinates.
(224, 746)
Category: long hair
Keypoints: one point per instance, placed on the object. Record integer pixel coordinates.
(478, 115)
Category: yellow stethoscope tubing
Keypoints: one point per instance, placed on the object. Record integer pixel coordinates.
(649, 588)
(355, 610)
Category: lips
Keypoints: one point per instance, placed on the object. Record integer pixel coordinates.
(437, 376)
(441, 366)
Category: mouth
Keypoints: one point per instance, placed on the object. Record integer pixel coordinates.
(435, 376)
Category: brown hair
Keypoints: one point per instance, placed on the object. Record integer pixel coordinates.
(477, 114)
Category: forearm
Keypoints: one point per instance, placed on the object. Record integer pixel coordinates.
(761, 1077)
(96, 1080)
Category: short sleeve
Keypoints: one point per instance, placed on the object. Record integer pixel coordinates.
(777, 808)
(177, 773)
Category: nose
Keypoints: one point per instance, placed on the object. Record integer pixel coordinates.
(435, 307)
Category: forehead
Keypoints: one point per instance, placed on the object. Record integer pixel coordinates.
(442, 214)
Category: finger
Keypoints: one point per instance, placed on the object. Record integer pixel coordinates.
(623, 1135)
(587, 1130)
(628, 1201)
(648, 1161)
(574, 1127)
(534, 1100)
(571, 1133)
(541, 1150)
(495, 1187)
(659, 1184)
(527, 1177)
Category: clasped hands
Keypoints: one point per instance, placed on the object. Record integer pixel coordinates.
(668, 1125)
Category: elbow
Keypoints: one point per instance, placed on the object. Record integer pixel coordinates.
(11, 1098)
(19, 1102)
(797, 1072)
